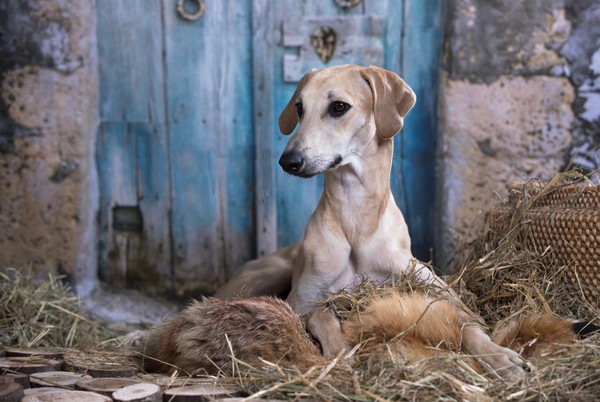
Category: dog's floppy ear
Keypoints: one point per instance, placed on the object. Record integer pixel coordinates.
(392, 100)
(289, 117)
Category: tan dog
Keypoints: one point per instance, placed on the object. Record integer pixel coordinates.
(348, 116)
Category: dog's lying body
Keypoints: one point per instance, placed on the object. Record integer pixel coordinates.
(348, 116)
(204, 336)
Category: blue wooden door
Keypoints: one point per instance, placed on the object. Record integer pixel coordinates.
(188, 143)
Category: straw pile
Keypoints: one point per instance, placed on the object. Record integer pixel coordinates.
(505, 272)
(496, 276)
(42, 315)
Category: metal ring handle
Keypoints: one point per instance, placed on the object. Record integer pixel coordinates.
(187, 16)
(347, 3)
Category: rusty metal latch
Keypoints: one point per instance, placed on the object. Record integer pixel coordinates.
(183, 13)
(323, 40)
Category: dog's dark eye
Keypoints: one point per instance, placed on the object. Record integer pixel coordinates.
(336, 109)
(299, 110)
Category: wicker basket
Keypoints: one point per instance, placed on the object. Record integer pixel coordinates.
(564, 219)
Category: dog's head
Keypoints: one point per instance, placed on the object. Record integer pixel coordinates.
(340, 110)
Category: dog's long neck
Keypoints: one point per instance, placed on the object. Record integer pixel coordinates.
(359, 193)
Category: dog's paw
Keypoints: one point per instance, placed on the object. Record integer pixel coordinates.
(506, 363)
(333, 347)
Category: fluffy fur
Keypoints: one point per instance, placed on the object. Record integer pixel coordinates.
(256, 328)
(414, 326)
(423, 324)
(536, 337)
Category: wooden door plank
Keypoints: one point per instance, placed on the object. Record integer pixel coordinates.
(133, 148)
(263, 29)
(130, 66)
(208, 65)
(150, 263)
(117, 180)
(421, 49)
(393, 11)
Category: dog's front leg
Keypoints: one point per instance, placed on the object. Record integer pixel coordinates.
(323, 325)
(320, 321)
(306, 298)
(475, 341)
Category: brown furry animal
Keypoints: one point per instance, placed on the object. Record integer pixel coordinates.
(419, 327)
(204, 335)
(415, 327)
(536, 337)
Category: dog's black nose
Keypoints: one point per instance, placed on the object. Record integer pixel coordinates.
(292, 162)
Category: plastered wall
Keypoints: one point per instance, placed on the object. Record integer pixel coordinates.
(48, 122)
(520, 99)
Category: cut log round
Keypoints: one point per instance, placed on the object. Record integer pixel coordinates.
(142, 392)
(40, 390)
(199, 393)
(105, 386)
(167, 381)
(49, 353)
(103, 370)
(29, 365)
(11, 392)
(66, 396)
(122, 371)
(63, 379)
(100, 364)
(22, 379)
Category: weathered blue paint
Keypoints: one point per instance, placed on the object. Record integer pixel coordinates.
(114, 150)
(209, 92)
(421, 50)
(189, 130)
(131, 71)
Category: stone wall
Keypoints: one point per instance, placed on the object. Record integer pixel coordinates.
(48, 121)
(520, 99)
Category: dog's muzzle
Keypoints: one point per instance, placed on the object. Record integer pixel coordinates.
(292, 162)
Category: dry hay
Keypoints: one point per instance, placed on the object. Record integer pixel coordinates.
(497, 278)
(500, 277)
(46, 314)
